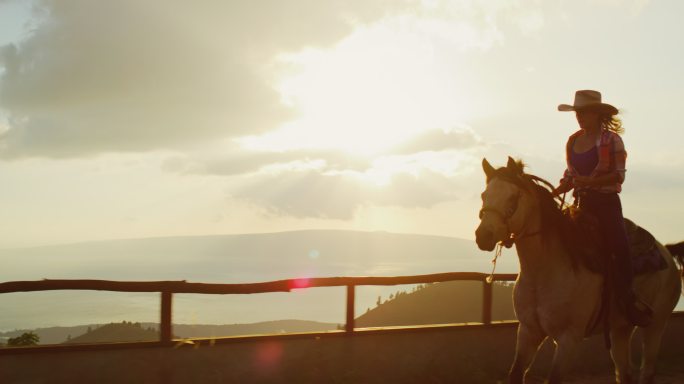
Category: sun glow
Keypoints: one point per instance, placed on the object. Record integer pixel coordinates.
(377, 88)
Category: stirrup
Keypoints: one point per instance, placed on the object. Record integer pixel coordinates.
(639, 313)
(643, 305)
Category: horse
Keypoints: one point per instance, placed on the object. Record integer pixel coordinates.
(556, 295)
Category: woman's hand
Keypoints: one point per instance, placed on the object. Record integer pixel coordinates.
(561, 189)
(583, 181)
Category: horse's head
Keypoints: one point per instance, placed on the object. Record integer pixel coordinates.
(506, 204)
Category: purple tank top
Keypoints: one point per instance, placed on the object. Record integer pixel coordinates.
(584, 162)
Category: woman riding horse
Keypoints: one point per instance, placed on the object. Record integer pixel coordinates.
(596, 170)
(558, 293)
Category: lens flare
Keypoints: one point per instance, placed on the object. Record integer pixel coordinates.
(268, 356)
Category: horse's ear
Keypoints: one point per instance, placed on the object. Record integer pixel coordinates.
(514, 166)
(488, 169)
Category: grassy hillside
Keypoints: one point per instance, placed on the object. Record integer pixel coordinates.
(51, 335)
(448, 302)
(126, 331)
(116, 332)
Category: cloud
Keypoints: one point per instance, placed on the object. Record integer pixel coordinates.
(423, 171)
(440, 140)
(97, 77)
(237, 160)
(320, 188)
(337, 196)
(333, 185)
(135, 76)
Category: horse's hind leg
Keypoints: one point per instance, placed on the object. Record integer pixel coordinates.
(528, 342)
(652, 336)
(566, 348)
(620, 337)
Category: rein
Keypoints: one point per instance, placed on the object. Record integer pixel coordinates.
(499, 249)
(497, 253)
(508, 243)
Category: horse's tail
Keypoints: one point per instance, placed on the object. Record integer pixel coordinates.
(677, 251)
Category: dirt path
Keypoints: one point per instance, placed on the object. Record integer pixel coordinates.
(665, 377)
(676, 378)
(672, 373)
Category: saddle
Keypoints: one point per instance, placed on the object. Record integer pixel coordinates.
(643, 249)
(590, 247)
(591, 251)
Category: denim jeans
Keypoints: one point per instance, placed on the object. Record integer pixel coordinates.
(608, 210)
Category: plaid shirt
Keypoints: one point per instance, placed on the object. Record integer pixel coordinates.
(611, 158)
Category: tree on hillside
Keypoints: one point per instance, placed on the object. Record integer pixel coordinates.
(26, 338)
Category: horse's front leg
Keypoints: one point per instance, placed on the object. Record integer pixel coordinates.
(528, 341)
(566, 347)
(620, 340)
(651, 345)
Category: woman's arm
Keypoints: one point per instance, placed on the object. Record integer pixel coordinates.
(598, 181)
(566, 183)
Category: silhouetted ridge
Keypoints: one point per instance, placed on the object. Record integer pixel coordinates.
(440, 303)
(116, 332)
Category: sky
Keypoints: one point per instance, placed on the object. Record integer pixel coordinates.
(134, 119)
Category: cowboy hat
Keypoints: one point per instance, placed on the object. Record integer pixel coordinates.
(588, 100)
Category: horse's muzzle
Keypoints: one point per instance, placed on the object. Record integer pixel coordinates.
(485, 239)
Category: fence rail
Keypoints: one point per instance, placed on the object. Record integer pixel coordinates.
(168, 288)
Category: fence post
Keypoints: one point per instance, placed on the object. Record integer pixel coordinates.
(165, 331)
(349, 326)
(487, 302)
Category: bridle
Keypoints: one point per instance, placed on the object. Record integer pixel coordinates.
(512, 237)
(505, 218)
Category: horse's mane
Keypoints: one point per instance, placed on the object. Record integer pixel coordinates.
(555, 218)
(551, 211)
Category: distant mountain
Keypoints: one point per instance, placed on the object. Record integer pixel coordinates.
(51, 335)
(225, 259)
(128, 331)
(440, 303)
(245, 258)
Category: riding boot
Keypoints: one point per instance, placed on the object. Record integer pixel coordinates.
(636, 311)
(608, 210)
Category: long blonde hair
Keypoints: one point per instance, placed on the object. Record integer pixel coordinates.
(612, 123)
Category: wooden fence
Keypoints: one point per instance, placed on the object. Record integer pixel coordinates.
(168, 288)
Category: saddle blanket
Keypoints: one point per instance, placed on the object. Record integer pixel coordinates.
(642, 248)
